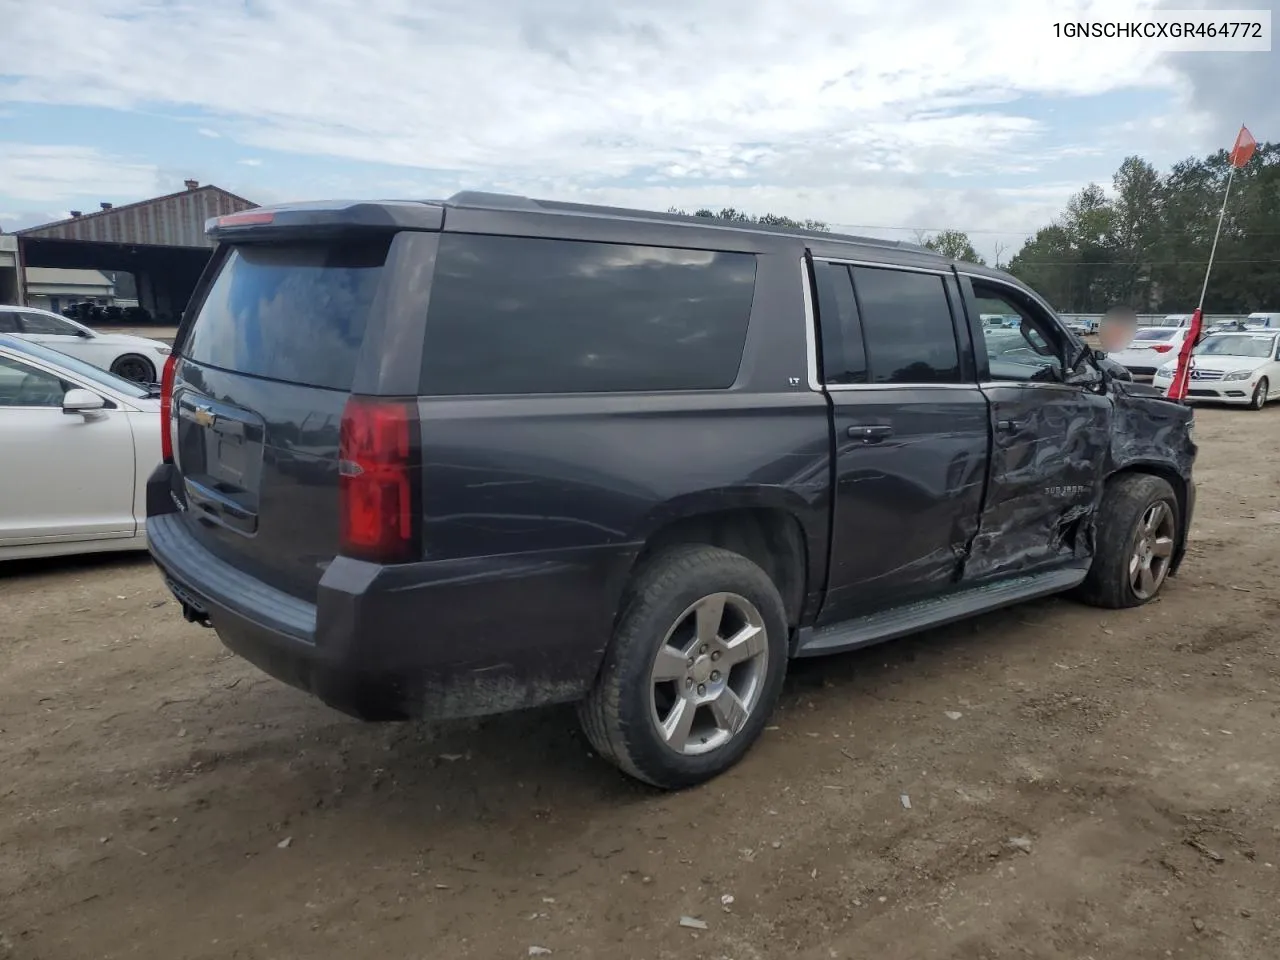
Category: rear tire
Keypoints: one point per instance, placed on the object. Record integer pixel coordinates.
(1261, 393)
(1138, 527)
(135, 368)
(694, 669)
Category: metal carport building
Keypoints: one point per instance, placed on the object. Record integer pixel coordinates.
(160, 241)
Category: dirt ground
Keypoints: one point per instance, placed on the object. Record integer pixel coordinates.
(1051, 781)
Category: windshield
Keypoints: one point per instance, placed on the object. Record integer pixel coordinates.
(1155, 334)
(85, 371)
(1237, 346)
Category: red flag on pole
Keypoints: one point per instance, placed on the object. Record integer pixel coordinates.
(1243, 149)
(1178, 388)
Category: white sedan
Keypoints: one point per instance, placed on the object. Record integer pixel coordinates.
(1231, 368)
(1150, 348)
(78, 446)
(134, 358)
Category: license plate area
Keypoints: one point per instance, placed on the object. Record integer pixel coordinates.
(220, 448)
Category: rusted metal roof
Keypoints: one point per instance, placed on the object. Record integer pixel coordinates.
(176, 220)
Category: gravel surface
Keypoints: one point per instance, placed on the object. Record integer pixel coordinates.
(1050, 781)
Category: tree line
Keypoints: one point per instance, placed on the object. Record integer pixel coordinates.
(1146, 243)
(733, 215)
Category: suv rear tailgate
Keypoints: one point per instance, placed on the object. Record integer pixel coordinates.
(265, 371)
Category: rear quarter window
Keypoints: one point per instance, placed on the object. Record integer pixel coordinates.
(534, 316)
(294, 313)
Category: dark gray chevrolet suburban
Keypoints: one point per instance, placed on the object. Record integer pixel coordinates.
(435, 459)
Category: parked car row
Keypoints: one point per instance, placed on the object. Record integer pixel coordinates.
(1234, 363)
(138, 359)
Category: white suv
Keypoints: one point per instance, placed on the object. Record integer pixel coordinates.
(132, 358)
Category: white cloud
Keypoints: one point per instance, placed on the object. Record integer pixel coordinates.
(211, 134)
(43, 173)
(696, 88)
(252, 162)
(848, 111)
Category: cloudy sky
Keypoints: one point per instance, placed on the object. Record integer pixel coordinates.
(880, 118)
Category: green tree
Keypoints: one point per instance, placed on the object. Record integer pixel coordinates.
(1135, 231)
(1047, 263)
(1147, 244)
(733, 215)
(954, 245)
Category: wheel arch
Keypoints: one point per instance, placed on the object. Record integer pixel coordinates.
(132, 355)
(769, 534)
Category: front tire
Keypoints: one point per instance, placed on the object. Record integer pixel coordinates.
(1137, 534)
(694, 669)
(133, 367)
(1261, 394)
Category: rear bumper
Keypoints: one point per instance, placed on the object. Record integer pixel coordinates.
(435, 639)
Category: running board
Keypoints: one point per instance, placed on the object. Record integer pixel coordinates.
(924, 614)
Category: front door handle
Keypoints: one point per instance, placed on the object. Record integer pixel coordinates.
(872, 433)
(1009, 426)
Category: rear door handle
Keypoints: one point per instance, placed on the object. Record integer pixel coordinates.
(873, 433)
(1009, 426)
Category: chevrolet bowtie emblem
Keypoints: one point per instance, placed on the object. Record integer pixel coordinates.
(203, 416)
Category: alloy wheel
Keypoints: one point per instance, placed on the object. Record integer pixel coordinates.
(1152, 550)
(709, 674)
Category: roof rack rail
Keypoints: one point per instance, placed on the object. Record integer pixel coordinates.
(501, 201)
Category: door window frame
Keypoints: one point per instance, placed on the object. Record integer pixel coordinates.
(983, 363)
(960, 325)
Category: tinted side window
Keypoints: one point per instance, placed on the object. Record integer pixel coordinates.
(294, 313)
(533, 316)
(906, 320)
(843, 358)
(8, 322)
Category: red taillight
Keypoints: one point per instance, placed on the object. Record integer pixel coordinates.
(166, 407)
(1162, 347)
(377, 477)
(247, 219)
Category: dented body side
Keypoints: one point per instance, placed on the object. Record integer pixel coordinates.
(1051, 464)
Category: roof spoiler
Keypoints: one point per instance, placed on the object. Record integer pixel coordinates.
(324, 219)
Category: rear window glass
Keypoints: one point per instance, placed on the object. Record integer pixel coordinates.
(1155, 334)
(534, 316)
(294, 313)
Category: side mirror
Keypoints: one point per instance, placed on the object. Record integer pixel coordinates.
(81, 401)
(1034, 340)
